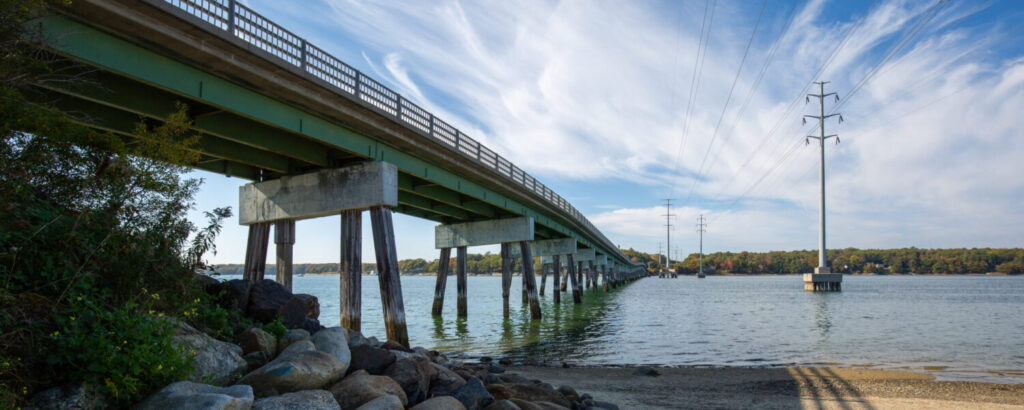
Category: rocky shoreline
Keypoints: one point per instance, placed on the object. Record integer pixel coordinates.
(312, 367)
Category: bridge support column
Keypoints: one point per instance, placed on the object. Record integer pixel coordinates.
(572, 266)
(284, 238)
(529, 280)
(543, 275)
(256, 251)
(565, 278)
(388, 275)
(350, 269)
(442, 279)
(460, 281)
(556, 293)
(593, 277)
(604, 277)
(506, 275)
(823, 282)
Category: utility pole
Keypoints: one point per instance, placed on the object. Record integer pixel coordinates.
(822, 268)
(702, 226)
(668, 231)
(659, 256)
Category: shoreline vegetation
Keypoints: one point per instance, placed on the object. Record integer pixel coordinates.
(852, 261)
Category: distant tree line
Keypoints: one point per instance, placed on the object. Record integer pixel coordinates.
(476, 264)
(852, 260)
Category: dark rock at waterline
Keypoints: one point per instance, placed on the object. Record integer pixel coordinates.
(266, 299)
(311, 303)
(440, 403)
(413, 374)
(533, 393)
(236, 294)
(300, 400)
(569, 393)
(486, 359)
(393, 345)
(372, 359)
(646, 371)
(473, 394)
(360, 387)
(494, 368)
(514, 378)
(489, 379)
(189, 395)
(504, 361)
(79, 396)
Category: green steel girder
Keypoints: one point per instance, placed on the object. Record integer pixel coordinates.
(425, 204)
(191, 85)
(433, 191)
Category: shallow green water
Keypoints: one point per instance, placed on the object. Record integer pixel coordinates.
(967, 328)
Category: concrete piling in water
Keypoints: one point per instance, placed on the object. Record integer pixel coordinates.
(350, 269)
(388, 275)
(443, 268)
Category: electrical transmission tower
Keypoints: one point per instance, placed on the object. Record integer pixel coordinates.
(668, 231)
(702, 226)
(821, 137)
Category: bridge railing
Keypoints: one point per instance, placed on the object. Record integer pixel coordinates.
(249, 26)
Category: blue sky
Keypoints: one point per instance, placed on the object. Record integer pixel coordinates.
(600, 100)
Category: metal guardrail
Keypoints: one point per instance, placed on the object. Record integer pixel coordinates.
(249, 26)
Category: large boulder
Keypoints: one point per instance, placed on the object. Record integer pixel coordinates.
(443, 381)
(266, 299)
(533, 393)
(502, 405)
(440, 403)
(78, 396)
(236, 294)
(310, 303)
(289, 337)
(526, 405)
(215, 361)
(372, 359)
(258, 340)
(473, 395)
(413, 374)
(355, 338)
(334, 341)
(300, 400)
(297, 368)
(189, 395)
(385, 402)
(360, 387)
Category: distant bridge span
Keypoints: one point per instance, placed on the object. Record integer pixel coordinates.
(272, 108)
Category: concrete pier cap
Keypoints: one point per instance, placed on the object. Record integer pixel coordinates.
(490, 232)
(584, 255)
(321, 193)
(602, 260)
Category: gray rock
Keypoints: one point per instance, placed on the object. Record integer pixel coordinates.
(300, 400)
(360, 387)
(236, 294)
(334, 341)
(294, 371)
(413, 374)
(494, 368)
(372, 340)
(514, 378)
(266, 299)
(188, 395)
(502, 405)
(372, 359)
(355, 338)
(443, 381)
(79, 396)
(473, 395)
(289, 337)
(547, 405)
(215, 362)
(255, 360)
(440, 403)
(298, 347)
(491, 379)
(646, 371)
(525, 405)
(386, 402)
(532, 393)
(258, 340)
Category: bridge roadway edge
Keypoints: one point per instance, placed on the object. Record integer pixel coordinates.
(317, 128)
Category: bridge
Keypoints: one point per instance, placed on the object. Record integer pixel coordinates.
(317, 137)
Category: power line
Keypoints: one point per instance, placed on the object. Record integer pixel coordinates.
(822, 264)
(668, 231)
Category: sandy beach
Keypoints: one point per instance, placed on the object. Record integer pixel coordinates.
(781, 388)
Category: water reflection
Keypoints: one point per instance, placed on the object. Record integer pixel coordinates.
(822, 316)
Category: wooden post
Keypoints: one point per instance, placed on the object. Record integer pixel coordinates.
(593, 277)
(604, 276)
(556, 274)
(351, 269)
(442, 279)
(574, 278)
(530, 280)
(543, 277)
(388, 275)
(506, 275)
(460, 280)
(284, 237)
(565, 277)
(256, 251)
(578, 285)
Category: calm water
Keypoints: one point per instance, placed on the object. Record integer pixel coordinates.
(967, 328)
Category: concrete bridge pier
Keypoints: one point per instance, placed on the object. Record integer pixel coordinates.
(343, 191)
(822, 280)
(505, 232)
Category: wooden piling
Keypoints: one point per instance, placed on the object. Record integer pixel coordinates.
(574, 278)
(388, 275)
(556, 274)
(604, 277)
(530, 280)
(460, 280)
(351, 269)
(593, 277)
(506, 275)
(284, 238)
(543, 277)
(443, 269)
(256, 251)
